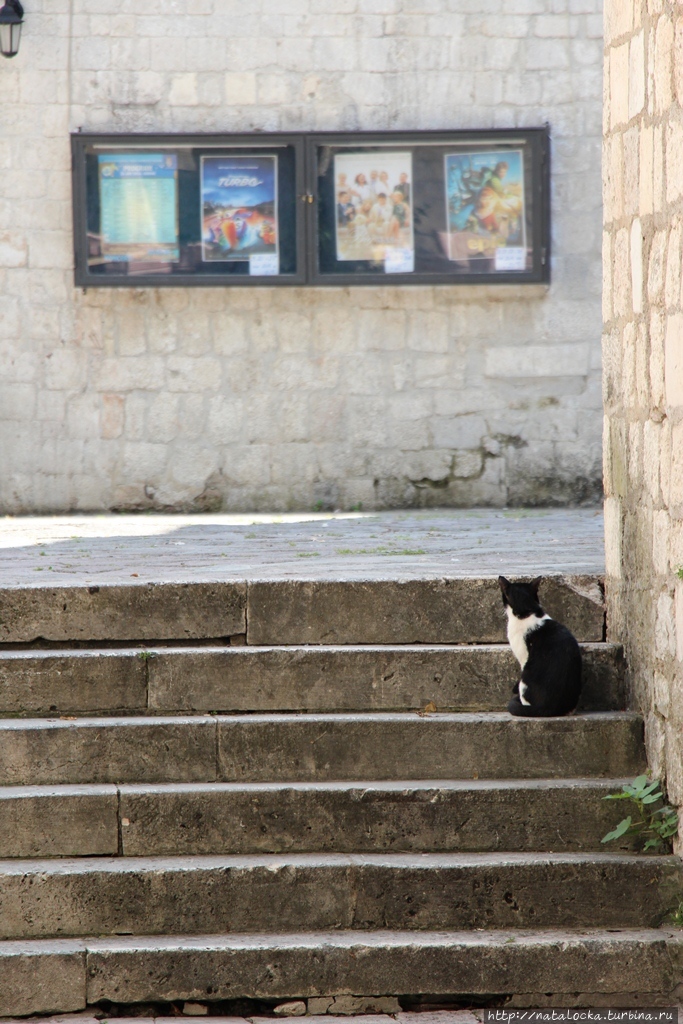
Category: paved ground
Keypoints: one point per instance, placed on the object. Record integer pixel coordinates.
(43, 551)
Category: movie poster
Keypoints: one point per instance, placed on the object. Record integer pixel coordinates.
(239, 210)
(374, 208)
(485, 204)
(138, 207)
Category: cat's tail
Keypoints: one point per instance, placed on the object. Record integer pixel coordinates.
(515, 707)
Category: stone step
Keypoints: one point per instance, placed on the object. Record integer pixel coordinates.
(38, 976)
(291, 611)
(319, 892)
(393, 746)
(314, 678)
(58, 821)
(135, 611)
(561, 815)
(453, 610)
(271, 748)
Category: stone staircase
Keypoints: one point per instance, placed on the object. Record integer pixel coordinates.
(222, 791)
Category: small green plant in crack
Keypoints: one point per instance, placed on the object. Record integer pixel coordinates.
(145, 655)
(675, 916)
(656, 825)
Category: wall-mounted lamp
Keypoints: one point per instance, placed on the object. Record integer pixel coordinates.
(11, 20)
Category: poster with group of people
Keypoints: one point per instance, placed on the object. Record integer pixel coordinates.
(374, 205)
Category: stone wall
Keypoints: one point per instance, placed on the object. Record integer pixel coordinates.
(278, 398)
(643, 356)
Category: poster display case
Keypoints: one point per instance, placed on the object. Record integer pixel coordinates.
(431, 207)
(188, 210)
(322, 209)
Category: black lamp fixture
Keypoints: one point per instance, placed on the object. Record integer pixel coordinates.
(11, 20)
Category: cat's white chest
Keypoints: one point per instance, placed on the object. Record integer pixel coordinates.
(518, 629)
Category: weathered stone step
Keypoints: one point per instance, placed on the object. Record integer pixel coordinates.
(266, 748)
(38, 976)
(393, 746)
(316, 892)
(58, 821)
(316, 611)
(554, 815)
(562, 815)
(136, 611)
(408, 611)
(313, 678)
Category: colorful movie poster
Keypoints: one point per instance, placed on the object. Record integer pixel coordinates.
(374, 208)
(139, 207)
(239, 209)
(485, 204)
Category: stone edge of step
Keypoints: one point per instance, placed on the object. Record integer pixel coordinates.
(289, 717)
(71, 973)
(523, 937)
(125, 649)
(117, 865)
(97, 789)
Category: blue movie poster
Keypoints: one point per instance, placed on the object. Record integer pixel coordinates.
(239, 207)
(485, 204)
(139, 206)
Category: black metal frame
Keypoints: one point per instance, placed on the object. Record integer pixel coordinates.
(305, 146)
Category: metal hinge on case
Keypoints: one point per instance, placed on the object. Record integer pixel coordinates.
(306, 197)
(543, 256)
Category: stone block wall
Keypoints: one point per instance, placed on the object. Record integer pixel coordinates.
(289, 398)
(643, 362)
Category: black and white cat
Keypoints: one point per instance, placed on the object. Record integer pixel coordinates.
(547, 652)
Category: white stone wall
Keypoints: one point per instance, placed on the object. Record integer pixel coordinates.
(277, 398)
(643, 348)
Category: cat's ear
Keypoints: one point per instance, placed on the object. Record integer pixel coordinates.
(535, 584)
(503, 584)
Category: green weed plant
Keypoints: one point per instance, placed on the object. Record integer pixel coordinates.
(655, 825)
